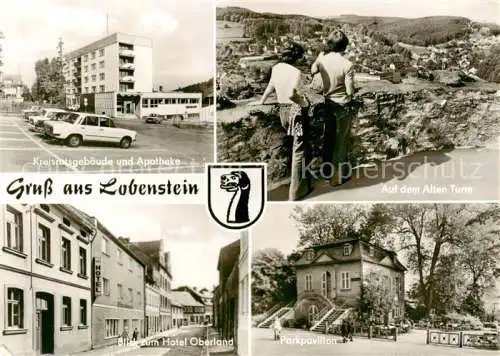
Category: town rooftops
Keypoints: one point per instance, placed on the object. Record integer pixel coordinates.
(228, 256)
(106, 41)
(184, 299)
(151, 252)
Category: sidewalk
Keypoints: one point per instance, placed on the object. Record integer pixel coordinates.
(217, 346)
(119, 349)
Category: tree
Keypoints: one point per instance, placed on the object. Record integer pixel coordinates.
(48, 81)
(376, 301)
(273, 280)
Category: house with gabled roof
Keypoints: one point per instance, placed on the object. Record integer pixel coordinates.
(330, 277)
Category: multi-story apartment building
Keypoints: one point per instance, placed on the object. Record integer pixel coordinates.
(45, 280)
(116, 63)
(330, 278)
(119, 289)
(159, 275)
(244, 317)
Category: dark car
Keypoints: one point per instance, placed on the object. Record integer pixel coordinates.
(153, 119)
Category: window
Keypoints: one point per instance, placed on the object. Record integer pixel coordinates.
(66, 311)
(101, 52)
(139, 300)
(120, 292)
(346, 280)
(93, 89)
(86, 68)
(93, 66)
(397, 285)
(372, 251)
(101, 88)
(94, 121)
(43, 243)
(101, 64)
(15, 308)
(93, 55)
(310, 255)
(86, 89)
(106, 122)
(101, 76)
(105, 283)
(83, 261)
(347, 249)
(86, 57)
(14, 231)
(119, 255)
(309, 282)
(145, 103)
(153, 103)
(105, 245)
(83, 312)
(131, 296)
(183, 101)
(94, 77)
(111, 327)
(66, 254)
(324, 284)
(130, 263)
(86, 79)
(193, 101)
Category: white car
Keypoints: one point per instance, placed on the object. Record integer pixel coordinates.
(31, 111)
(80, 127)
(35, 122)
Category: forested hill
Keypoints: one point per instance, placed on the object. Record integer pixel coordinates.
(423, 31)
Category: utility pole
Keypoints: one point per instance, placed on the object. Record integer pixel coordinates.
(61, 69)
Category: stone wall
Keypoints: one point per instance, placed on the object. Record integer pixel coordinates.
(389, 121)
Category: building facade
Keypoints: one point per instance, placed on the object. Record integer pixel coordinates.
(152, 309)
(333, 275)
(193, 311)
(158, 276)
(115, 63)
(226, 299)
(45, 285)
(119, 289)
(244, 316)
(177, 314)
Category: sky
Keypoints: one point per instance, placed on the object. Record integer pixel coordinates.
(479, 10)
(192, 238)
(182, 33)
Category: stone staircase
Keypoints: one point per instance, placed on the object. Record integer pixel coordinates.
(333, 316)
(280, 313)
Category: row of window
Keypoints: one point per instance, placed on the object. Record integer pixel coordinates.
(14, 232)
(344, 276)
(153, 103)
(113, 327)
(16, 310)
(94, 77)
(93, 66)
(93, 89)
(93, 54)
(347, 251)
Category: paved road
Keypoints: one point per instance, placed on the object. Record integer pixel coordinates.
(457, 175)
(160, 148)
(316, 344)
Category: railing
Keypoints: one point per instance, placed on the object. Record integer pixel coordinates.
(127, 53)
(461, 339)
(127, 79)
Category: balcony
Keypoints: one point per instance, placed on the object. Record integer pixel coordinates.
(127, 66)
(127, 79)
(127, 53)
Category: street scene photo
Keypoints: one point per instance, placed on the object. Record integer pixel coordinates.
(377, 279)
(102, 280)
(110, 87)
(362, 99)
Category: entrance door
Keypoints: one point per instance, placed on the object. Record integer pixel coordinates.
(45, 322)
(313, 311)
(129, 107)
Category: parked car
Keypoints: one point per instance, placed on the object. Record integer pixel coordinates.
(153, 119)
(81, 127)
(35, 122)
(31, 111)
(491, 326)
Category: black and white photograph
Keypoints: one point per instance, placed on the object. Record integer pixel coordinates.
(376, 279)
(101, 279)
(106, 86)
(361, 100)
